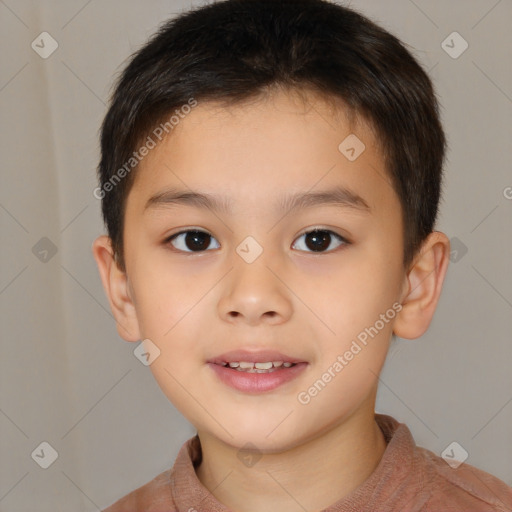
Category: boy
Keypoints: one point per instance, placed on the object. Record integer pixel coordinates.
(270, 176)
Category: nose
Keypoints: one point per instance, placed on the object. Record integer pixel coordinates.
(256, 293)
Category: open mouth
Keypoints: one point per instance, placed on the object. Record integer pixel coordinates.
(256, 372)
(248, 367)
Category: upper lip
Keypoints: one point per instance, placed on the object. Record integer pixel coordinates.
(262, 356)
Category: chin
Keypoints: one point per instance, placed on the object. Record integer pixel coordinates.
(259, 441)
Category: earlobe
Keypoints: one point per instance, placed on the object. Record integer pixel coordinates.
(116, 288)
(423, 287)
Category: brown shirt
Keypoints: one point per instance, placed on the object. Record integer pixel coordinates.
(408, 478)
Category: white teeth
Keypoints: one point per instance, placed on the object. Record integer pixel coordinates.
(263, 366)
(248, 367)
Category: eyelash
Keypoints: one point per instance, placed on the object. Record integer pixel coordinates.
(342, 239)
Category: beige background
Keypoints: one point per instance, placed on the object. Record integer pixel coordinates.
(68, 379)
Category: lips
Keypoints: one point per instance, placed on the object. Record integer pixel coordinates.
(256, 372)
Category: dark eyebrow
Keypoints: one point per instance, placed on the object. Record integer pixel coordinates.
(338, 196)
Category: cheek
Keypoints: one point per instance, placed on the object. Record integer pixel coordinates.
(346, 376)
(163, 295)
(172, 311)
(359, 305)
(355, 296)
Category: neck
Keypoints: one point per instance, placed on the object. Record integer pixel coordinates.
(311, 476)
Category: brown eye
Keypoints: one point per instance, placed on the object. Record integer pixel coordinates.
(318, 240)
(191, 241)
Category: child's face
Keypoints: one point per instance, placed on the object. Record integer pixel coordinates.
(199, 298)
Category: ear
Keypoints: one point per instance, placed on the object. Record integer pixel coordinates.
(422, 287)
(116, 287)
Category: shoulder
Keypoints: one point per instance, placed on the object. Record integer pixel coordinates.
(464, 487)
(163, 493)
(419, 480)
(154, 496)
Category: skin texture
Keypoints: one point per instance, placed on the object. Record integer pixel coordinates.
(306, 304)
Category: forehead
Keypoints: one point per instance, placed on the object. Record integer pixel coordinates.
(250, 151)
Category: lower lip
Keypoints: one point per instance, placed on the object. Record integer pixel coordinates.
(257, 382)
